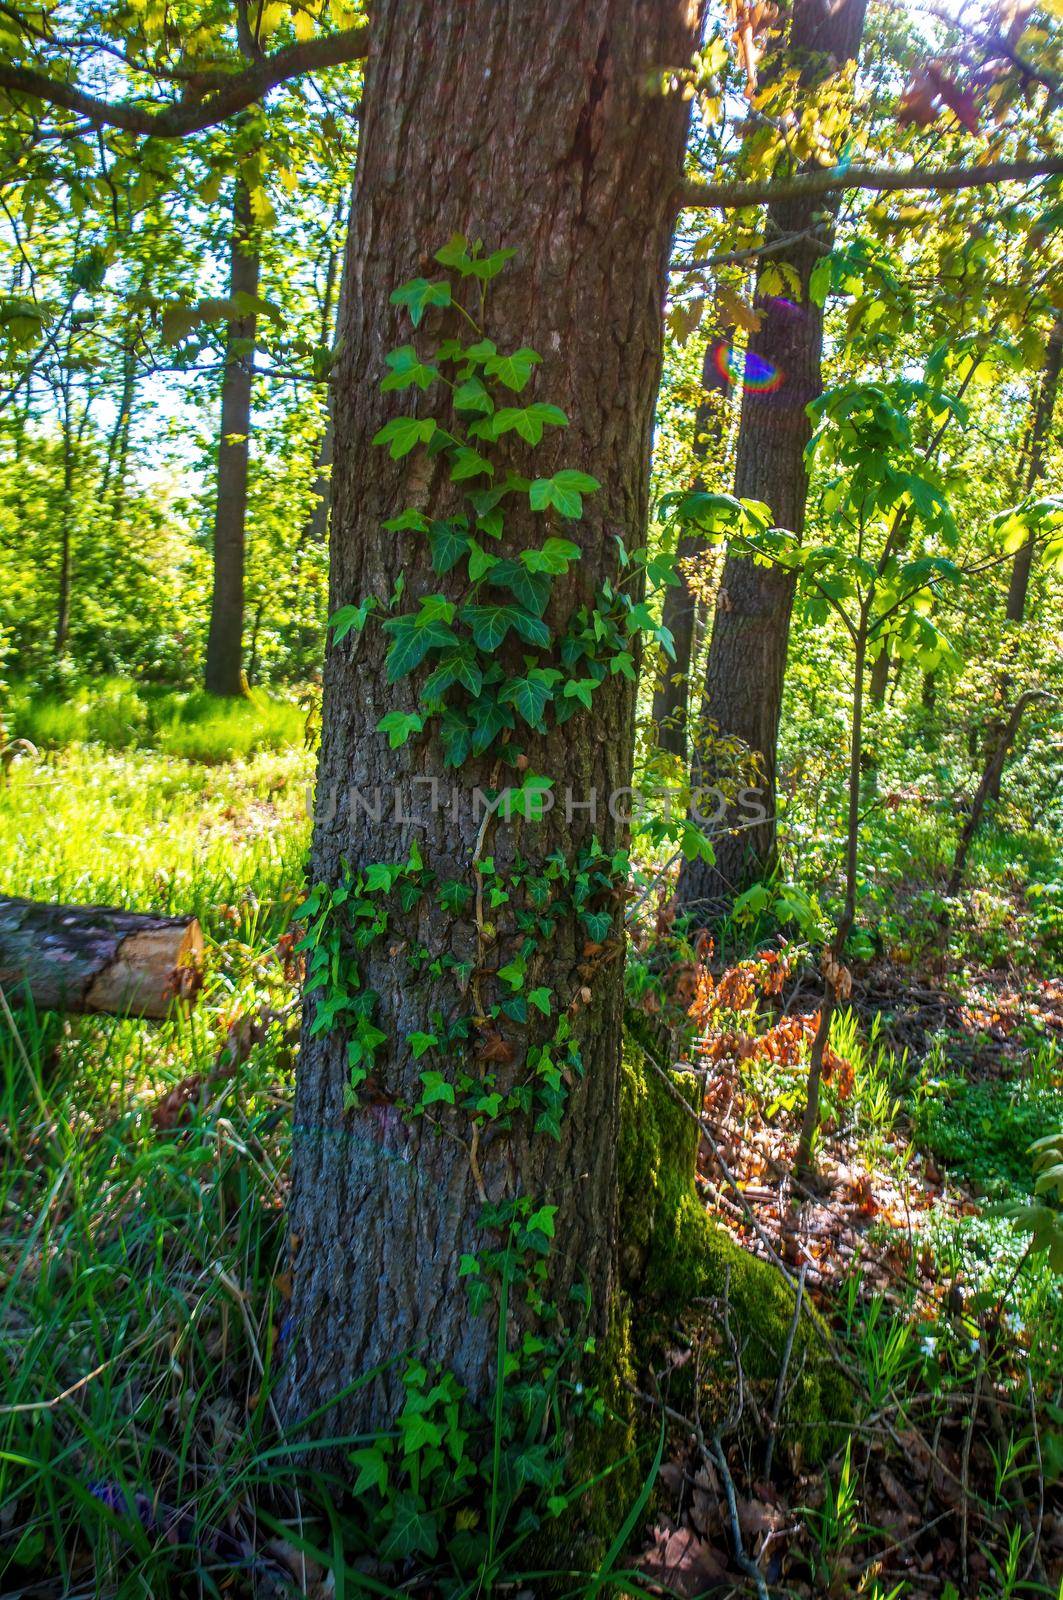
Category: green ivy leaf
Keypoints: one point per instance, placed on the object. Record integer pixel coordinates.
(412, 639)
(420, 1044)
(418, 295)
(458, 667)
(489, 624)
(448, 544)
(489, 719)
(409, 521)
(532, 589)
(399, 725)
(531, 629)
(401, 434)
(555, 557)
(472, 396)
(527, 421)
(512, 370)
(469, 463)
(350, 619)
(436, 1088)
(530, 697)
(407, 368)
(564, 491)
(411, 1528)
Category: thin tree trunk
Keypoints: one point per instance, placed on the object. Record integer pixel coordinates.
(66, 527)
(989, 785)
(672, 695)
(1040, 430)
(747, 653)
(117, 456)
(224, 673)
(315, 530)
(832, 964)
(530, 127)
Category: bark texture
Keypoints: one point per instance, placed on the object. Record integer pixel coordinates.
(747, 653)
(224, 674)
(541, 128)
(95, 958)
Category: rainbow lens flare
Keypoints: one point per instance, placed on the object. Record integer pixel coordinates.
(745, 368)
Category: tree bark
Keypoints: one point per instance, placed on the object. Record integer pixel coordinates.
(538, 128)
(95, 958)
(224, 675)
(747, 653)
(671, 697)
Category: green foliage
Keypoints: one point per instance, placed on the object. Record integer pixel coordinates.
(473, 699)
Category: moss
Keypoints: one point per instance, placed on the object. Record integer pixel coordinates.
(673, 1255)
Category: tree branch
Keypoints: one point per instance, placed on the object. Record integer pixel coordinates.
(810, 185)
(176, 120)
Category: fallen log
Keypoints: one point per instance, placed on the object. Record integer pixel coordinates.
(98, 958)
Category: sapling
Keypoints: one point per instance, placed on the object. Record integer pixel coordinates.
(880, 578)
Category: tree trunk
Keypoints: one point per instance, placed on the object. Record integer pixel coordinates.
(535, 128)
(66, 526)
(225, 640)
(671, 697)
(95, 958)
(747, 652)
(1041, 428)
(116, 464)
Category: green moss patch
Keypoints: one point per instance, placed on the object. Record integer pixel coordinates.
(673, 1256)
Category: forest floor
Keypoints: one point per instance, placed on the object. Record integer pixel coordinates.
(141, 1234)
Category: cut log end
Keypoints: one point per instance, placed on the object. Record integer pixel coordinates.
(99, 959)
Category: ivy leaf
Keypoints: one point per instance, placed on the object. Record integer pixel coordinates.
(555, 557)
(420, 1044)
(469, 463)
(372, 1468)
(528, 421)
(532, 629)
(489, 719)
(580, 689)
(407, 368)
(532, 589)
(412, 639)
(399, 725)
(455, 734)
(418, 295)
(481, 352)
(512, 370)
(350, 619)
(490, 624)
(458, 667)
(411, 1528)
(472, 396)
(480, 561)
(454, 896)
(597, 924)
(436, 1088)
(448, 544)
(530, 697)
(540, 999)
(408, 521)
(401, 434)
(530, 799)
(564, 491)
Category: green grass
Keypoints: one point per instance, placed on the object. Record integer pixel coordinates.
(151, 832)
(195, 726)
